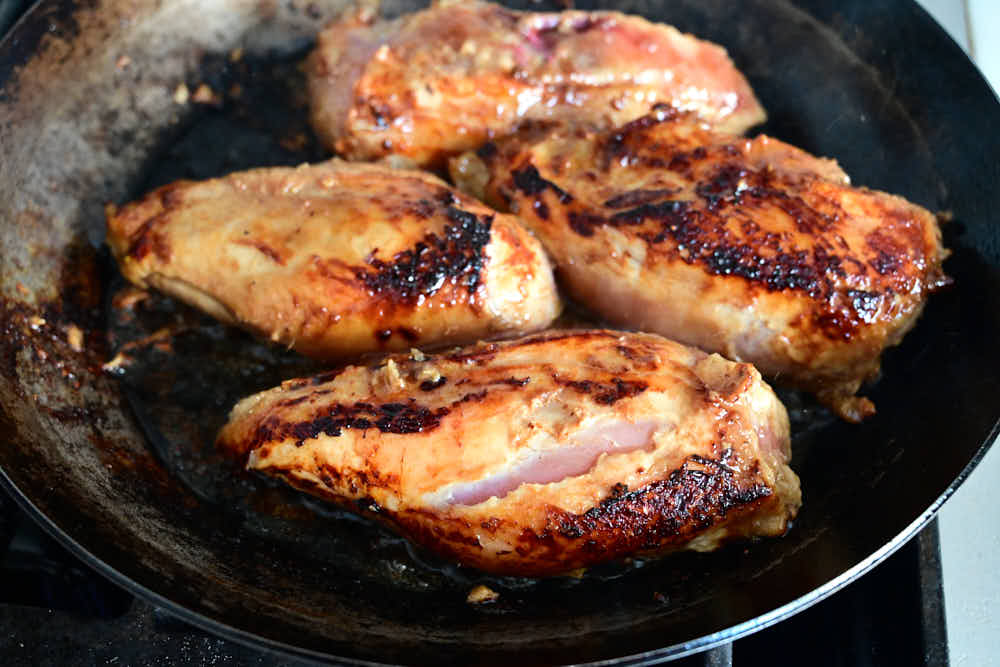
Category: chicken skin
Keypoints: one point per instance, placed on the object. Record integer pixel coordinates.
(747, 247)
(536, 456)
(444, 80)
(337, 259)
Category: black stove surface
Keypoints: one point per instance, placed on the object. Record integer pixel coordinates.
(55, 610)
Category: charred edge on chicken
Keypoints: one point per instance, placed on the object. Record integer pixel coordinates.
(529, 181)
(605, 393)
(456, 257)
(146, 238)
(666, 514)
(408, 417)
(398, 418)
(696, 496)
(697, 230)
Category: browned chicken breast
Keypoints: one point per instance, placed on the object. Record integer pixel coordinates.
(747, 247)
(443, 80)
(337, 259)
(537, 456)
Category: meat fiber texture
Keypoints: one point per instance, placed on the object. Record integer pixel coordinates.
(436, 82)
(751, 248)
(338, 259)
(536, 456)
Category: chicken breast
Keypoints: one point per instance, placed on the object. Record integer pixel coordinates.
(443, 80)
(747, 247)
(337, 259)
(536, 456)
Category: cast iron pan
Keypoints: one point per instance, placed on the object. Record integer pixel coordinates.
(122, 470)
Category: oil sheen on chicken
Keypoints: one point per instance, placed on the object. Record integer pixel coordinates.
(536, 456)
(337, 259)
(747, 247)
(443, 80)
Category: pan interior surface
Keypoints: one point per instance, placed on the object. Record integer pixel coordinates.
(122, 466)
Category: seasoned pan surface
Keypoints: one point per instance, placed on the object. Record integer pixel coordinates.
(121, 466)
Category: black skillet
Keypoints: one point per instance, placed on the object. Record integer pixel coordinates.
(121, 468)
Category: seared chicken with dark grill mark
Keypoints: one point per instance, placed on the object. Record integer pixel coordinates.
(338, 259)
(747, 247)
(536, 456)
(443, 80)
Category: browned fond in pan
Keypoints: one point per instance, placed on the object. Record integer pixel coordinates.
(91, 111)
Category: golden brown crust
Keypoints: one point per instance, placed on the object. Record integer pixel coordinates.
(414, 442)
(439, 81)
(337, 259)
(748, 247)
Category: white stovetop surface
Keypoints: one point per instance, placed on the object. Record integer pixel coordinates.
(969, 526)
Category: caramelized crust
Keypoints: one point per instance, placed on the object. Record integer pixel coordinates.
(443, 80)
(540, 455)
(747, 247)
(338, 259)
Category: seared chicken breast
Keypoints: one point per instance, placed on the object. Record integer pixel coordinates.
(536, 456)
(750, 248)
(443, 80)
(337, 259)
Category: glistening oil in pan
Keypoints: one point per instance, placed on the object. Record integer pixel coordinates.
(182, 372)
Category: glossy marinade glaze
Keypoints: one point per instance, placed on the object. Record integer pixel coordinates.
(338, 259)
(536, 456)
(445, 79)
(747, 247)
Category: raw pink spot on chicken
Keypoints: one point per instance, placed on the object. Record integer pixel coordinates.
(575, 458)
(521, 466)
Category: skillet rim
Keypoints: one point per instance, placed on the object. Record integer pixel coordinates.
(674, 651)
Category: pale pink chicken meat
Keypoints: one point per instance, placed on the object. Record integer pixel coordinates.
(536, 456)
(750, 248)
(439, 81)
(338, 259)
